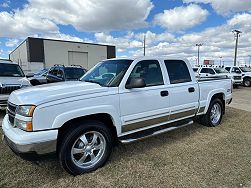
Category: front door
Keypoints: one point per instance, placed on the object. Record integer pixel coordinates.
(143, 107)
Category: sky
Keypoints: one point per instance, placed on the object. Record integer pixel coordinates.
(172, 27)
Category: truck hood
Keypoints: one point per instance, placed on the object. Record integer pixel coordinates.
(23, 81)
(52, 92)
(246, 73)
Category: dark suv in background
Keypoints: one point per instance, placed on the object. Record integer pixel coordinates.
(60, 73)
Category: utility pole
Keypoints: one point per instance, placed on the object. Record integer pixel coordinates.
(237, 35)
(249, 60)
(144, 44)
(199, 45)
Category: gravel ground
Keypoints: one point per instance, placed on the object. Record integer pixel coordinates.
(193, 156)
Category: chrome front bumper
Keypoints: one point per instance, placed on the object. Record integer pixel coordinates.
(21, 142)
(37, 148)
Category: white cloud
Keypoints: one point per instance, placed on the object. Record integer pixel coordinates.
(181, 18)
(23, 23)
(61, 36)
(225, 6)
(12, 43)
(217, 41)
(241, 20)
(122, 43)
(43, 16)
(5, 4)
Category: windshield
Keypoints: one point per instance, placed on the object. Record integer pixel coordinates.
(245, 69)
(10, 70)
(74, 73)
(108, 73)
(220, 70)
(41, 72)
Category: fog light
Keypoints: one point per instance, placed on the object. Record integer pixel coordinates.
(24, 125)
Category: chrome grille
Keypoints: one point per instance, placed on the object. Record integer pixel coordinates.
(237, 77)
(11, 110)
(7, 89)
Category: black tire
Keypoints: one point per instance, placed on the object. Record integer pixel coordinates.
(65, 148)
(206, 119)
(247, 82)
(235, 86)
(35, 82)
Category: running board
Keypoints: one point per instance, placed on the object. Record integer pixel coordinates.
(154, 131)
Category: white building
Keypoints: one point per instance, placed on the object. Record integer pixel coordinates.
(34, 54)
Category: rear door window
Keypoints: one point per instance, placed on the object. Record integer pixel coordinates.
(178, 71)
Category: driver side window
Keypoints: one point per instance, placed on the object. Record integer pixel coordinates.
(150, 71)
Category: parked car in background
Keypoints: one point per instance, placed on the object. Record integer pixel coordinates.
(118, 100)
(60, 73)
(245, 72)
(214, 71)
(11, 78)
(39, 77)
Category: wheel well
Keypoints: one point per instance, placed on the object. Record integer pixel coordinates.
(246, 77)
(104, 118)
(221, 97)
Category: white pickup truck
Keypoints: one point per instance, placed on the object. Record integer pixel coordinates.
(211, 71)
(11, 78)
(118, 100)
(244, 71)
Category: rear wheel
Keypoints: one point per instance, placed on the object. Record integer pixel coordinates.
(214, 114)
(247, 82)
(85, 148)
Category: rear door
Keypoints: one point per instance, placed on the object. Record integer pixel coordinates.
(183, 90)
(142, 108)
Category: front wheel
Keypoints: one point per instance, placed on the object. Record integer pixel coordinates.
(214, 114)
(85, 148)
(247, 82)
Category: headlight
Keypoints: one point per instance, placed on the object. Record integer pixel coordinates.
(24, 125)
(26, 110)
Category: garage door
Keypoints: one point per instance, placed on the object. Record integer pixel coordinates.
(78, 58)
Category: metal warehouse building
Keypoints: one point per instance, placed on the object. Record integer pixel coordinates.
(34, 54)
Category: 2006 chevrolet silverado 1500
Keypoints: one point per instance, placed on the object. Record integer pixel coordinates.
(117, 100)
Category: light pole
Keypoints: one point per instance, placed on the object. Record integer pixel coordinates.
(220, 60)
(249, 60)
(199, 45)
(237, 35)
(144, 44)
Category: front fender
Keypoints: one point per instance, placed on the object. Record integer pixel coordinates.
(61, 119)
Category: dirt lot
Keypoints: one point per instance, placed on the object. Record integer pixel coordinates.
(242, 99)
(194, 156)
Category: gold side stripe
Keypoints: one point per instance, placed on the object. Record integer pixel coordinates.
(202, 109)
(182, 114)
(146, 123)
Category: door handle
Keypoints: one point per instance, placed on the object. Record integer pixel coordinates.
(164, 93)
(191, 90)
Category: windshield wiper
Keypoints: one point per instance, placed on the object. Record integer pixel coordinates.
(92, 81)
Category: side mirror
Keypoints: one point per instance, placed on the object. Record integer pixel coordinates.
(238, 71)
(136, 83)
(29, 75)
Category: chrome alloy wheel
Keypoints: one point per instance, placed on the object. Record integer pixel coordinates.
(88, 149)
(215, 114)
(247, 83)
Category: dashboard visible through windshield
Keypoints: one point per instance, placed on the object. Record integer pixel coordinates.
(108, 73)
